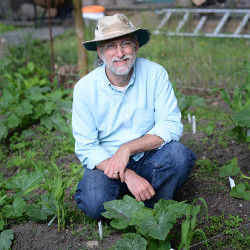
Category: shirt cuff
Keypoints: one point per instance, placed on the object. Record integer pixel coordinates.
(94, 158)
(163, 131)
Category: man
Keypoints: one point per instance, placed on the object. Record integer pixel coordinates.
(126, 123)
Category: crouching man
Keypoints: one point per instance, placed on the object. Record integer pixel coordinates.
(126, 123)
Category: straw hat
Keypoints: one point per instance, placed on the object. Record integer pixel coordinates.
(110, 27)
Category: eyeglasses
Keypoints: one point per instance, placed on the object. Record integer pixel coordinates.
(112, 46)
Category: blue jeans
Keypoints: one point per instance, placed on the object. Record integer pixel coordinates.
(166, 169)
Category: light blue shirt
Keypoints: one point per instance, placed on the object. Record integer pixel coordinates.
(104, 118)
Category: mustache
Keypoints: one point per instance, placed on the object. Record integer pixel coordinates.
(116, 59)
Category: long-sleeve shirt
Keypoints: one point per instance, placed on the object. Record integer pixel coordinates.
(104, 118)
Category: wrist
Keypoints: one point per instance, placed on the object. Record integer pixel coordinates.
(126, 148)
(127, 174)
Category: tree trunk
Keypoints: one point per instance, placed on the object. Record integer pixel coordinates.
(79, 27)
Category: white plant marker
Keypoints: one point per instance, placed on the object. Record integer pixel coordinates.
(100, 228)
(231, 182)
(189, 118)
(248, 132)
(51, 221)
(193, 124)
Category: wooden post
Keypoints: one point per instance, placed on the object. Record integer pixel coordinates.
(79, 28)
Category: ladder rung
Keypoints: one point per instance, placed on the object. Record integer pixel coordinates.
(242, 24)
(164, 20)
(221, 23)
(182, 22)
(200, 24)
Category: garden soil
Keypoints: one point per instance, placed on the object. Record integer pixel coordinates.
(34, 236)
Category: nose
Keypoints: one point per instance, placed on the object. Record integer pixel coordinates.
(119, 51)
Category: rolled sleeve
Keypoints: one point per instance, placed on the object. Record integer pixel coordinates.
(87, 146)
(168, 124)
(91, 155)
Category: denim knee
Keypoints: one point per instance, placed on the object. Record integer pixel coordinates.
(183, 160)
(93, 190)
(93, 210)
(171, 164)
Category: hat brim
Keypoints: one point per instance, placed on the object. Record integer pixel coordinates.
(142, 35)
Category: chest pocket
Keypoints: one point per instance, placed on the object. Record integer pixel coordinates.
(143, 120)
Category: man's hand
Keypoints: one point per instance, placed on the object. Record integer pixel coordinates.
(116, 165)
(138, 186)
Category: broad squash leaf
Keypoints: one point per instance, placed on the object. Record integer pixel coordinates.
(166, 214)
(131, 241)
(121, 211)
(6, 238)
(230, 169)
(155, 223)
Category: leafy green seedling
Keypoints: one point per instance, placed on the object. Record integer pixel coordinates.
(188, 226)
(242, 190)
(6, 238)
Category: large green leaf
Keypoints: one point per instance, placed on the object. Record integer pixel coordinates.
(13, 121)
(155, 223)
(6, 238)
(39, 212)
(14, 210)
(242, 118)
(241, 191)
(25, 182)
(24, 108)
(131, 241)
(6, 99)
(121, 211)
(230, 169)
(165, 216)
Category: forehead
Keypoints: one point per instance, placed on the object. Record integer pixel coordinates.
(117, 40)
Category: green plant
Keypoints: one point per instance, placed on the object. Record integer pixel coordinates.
(206, 165)
(239, 102)
(6, 238)
(5, 28)
(56, 187)
(188, 226)
(22, 106)
(231, 231)
(241, 119)
(241, 190)
(185, 102)
(152, 225)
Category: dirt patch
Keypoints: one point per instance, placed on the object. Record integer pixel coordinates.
(35, 236)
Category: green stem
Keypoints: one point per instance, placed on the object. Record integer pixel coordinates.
(245, 177)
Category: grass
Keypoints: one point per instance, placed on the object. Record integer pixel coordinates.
(5, 28)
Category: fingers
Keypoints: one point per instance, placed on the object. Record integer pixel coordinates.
(122, 175)
(115, 170)
(139, 187)
(146, 194)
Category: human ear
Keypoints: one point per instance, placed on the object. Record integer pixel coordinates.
(99, 52)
